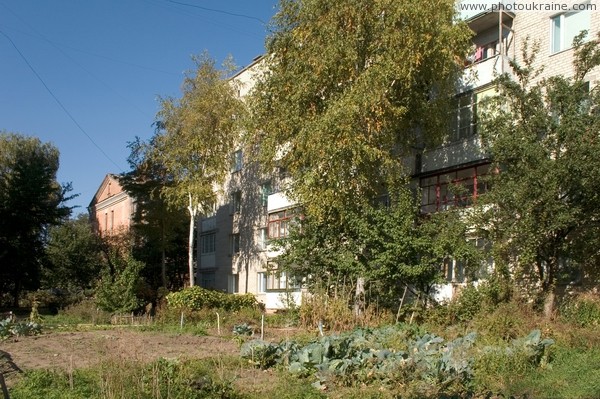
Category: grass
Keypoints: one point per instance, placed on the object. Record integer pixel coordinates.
(572, 369)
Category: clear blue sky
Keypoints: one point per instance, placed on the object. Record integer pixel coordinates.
(107, 62)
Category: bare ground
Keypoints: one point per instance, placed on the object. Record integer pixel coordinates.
(80, 349)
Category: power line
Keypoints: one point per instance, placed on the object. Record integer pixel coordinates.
(59, 102)
(218, 11)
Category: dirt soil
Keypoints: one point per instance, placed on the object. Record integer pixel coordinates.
(72, 350)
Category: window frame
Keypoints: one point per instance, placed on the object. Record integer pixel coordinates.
(279, 222)
(234, 244)
(436, 194)
(276, 281)
(460, 127)
(236, 201)
(563, 28)
(237, 161)
(204, 245)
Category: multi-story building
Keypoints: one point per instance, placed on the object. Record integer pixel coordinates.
(500, 32)
(232, 249)
(111, 210)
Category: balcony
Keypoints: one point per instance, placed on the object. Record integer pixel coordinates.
(450, 155)
(278, 201)
(483, 72)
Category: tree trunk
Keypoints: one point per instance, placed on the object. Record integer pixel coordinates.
(163, 256)
(549, 303)
(359, 297)
(163, 268)
(193, 211)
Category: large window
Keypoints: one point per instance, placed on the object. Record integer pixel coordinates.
(234, 242)
(207, 243)
(279, 223)
(456, 188)
(207, 280)
(263, 239)
(265, 190)
(236, 161)
(463, 119)
(233, 283)
(276, 281)
(566, 26)
(236, 202)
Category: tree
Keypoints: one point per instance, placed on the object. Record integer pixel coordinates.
(31, 200)
(390, 245)
(159, 230)
(73, 256)
(199, 133)
(543, 208)
(348, 88)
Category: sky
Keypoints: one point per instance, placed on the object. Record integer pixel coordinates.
(87, 75)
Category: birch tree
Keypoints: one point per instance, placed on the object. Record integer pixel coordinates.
(198, 133)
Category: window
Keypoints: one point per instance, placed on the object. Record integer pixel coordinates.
(236, 202)
(207, 280)
(454, 270)
(456, 188)
(233, 282)
(236, 161)
(276, 281)
(565, 27)
(279, 223)
(234, 240)
(207, 243)
(265, 190)
(463, 119)
(263, 239)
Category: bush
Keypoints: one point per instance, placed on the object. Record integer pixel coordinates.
(83, 312)
(582, 310)
(196, 298)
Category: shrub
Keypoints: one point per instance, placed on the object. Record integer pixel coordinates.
(582, 310)
(196, 298)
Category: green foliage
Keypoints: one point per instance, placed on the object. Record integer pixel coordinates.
(243, 330)
(119, 378)
(31, 200)
(74, 259)
(118, 292)
(346, 83)
(159, 231)
(583, 310)
(390, 246)
(409, 364)
(542, 135)
(10, 327)
(196, 298)
(363, 357)
(196, 136)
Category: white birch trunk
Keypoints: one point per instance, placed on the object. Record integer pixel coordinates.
(193, 209)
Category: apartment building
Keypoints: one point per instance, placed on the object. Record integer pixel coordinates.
(499, 36)
(233, 251)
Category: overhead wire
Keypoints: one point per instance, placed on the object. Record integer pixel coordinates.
(60, 104)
